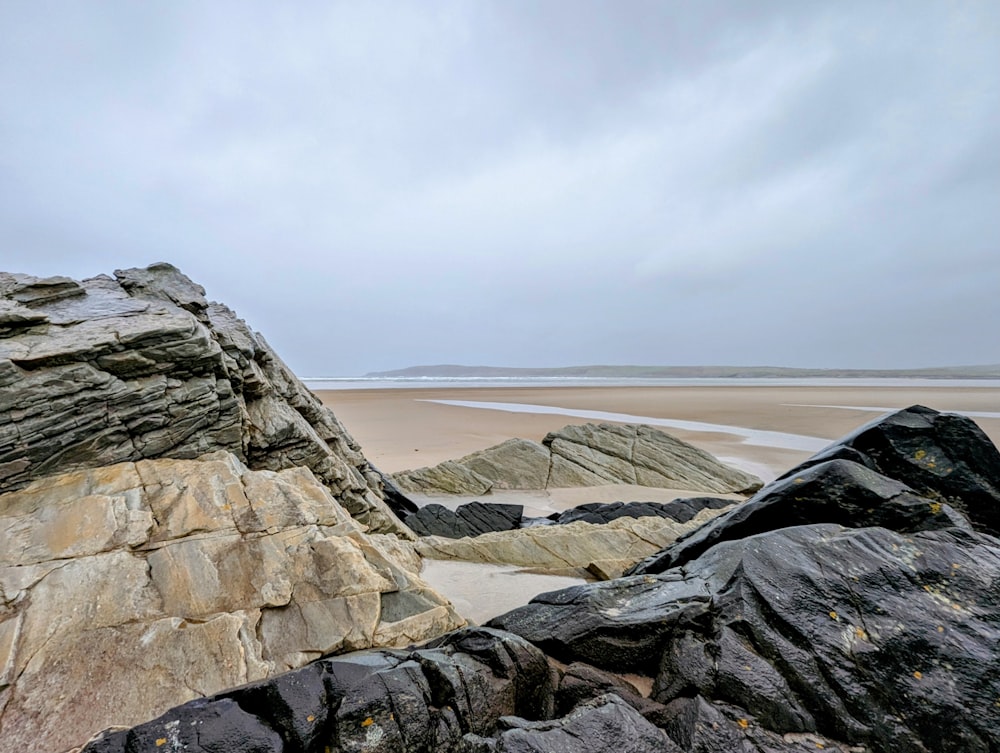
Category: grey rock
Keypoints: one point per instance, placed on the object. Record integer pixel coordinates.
(864, 636)
(471, 519)
(583, 455)
(834, 491)
(143, 366)
(414, 701)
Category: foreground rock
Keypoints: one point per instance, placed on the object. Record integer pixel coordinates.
(142, 366)
(445, 696)
(865, 636)
(787, 632)
(129, 589)
(586, 455)
(775, 623)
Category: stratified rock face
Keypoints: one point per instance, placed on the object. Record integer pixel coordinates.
(143, 366)
(131, 588)
(443, 697)
(679, 510)
(585, 455)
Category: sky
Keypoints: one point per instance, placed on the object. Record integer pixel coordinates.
(373, 185)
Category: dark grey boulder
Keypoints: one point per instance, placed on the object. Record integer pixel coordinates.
(600, 725)
(471, 519)
(944, 456)
(833, 491)
(582, 682)
(405, 701)
(865, 636)
(679, 510)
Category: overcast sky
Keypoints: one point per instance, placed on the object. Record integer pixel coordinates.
(374, 185)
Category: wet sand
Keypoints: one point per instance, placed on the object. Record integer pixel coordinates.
(399, 429)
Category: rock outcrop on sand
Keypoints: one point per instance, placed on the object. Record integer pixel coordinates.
(584, 455)
(777, 616)
(131, 588)
(142, 366)
(472, 519)
(612, 547)
(179, 516)
(785, 635)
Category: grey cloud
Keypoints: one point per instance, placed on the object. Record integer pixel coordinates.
(374, 185)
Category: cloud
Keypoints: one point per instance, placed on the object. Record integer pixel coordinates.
(374, 185)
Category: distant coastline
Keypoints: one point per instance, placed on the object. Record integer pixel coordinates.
(455, 371)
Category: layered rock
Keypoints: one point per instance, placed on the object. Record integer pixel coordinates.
(788, 634)
(471, 519)
(142, 366)
(585, 455)
(866, 636)
(614, 546)
(678, 510)
(131, 588)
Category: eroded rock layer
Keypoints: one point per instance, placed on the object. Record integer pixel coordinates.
(142, 366)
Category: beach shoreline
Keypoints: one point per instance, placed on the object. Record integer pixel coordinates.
(405, 428)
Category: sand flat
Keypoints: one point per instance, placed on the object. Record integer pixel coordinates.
(399, 429)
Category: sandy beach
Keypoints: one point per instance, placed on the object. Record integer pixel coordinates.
(400, 429)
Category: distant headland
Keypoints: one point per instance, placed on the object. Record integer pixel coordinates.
(989, 371)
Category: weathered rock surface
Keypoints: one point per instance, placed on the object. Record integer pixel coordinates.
(905, 471)
(615, 545)
(777, 627)
(447, 696)
(943, 456)
(585, 455)
(142, 366)
(865, 636)
(472, 519)
(128, 589)
(880, 637)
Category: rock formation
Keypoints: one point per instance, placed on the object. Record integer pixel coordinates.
(142, 366)
(778, 634)
(472, 519)
(614, 546)
(128, 589)
(585, 455)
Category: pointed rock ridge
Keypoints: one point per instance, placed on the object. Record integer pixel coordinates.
(583, 455)
(909, 471)
(128, 589)
(143, 366)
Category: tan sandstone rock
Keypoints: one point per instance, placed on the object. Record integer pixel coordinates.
(615, 545)
(127, 589)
